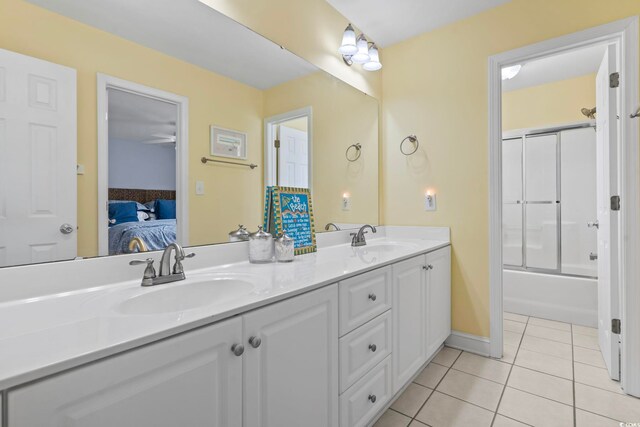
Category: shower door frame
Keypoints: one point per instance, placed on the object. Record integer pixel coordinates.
(522, 134)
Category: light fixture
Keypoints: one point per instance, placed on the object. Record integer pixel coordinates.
(348, 46)
(510, 72)
(374, 60)
(359, 50)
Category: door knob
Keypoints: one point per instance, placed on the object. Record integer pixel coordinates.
(255, 342)
(593, 256)
(595, 224)
(66, 228)
(237, 349)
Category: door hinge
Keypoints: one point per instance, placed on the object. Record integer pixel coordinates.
(615, 326)
(614, 80)
(615, 203)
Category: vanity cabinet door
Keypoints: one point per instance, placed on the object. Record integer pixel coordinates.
(192, 379)
(409, 319)
(291, 373)
(438, 298)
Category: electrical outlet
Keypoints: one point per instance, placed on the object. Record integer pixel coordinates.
(346, 203)
(429, 202)
(80, 169)
(199, 188)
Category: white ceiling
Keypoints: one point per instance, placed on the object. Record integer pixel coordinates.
(390, 21)
(558, 67)
(191, 31)
(136, 118)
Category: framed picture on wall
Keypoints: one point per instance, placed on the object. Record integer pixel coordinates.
(228, 143)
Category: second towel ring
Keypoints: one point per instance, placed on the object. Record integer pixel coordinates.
(414, 140)
(358, 149)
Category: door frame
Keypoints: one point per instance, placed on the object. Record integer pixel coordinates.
(624, 34)
(269, 171)
(105, 82)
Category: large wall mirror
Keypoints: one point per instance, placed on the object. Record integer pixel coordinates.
(107, 110)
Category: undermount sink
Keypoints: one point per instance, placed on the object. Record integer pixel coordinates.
(387, 246)
(185, 296)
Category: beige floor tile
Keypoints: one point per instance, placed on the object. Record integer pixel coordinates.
(431, 375)
(586, 341)
(553, 324)
(552, 348)
(446, 356)
(445, 411)
(585, 330)
(502, 421)
(587, 419)
(471, 389)
(483, 367)
(545, 363)
(608, 404)
(411, 399)
(515, 317)
(509, 353)
(416, 423)
(511, 338)
(392, 419)
(588, 357)
(596, 377)
(540, 384)
(535, 410)
(548, 333)
(513, 326)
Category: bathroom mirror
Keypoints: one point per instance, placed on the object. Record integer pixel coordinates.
(127, 125)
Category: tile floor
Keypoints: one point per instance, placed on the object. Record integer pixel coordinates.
(552, 374)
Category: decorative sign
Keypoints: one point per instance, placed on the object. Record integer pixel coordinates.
(290, 210)
(228, 143)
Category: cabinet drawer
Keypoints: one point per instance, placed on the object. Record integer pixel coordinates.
(367, 396)
(363, 348)
(364, 297)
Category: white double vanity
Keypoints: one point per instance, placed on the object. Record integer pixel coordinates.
(327, 340)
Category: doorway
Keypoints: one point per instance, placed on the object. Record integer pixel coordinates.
(288, 149)
(541, 218)
(142, 163)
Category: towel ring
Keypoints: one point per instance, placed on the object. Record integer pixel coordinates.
(358, 149)
(414, 140)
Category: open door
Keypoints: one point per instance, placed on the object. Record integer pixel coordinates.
(607, 187)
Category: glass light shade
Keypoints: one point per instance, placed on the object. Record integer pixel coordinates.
(374, 60)
(510, 72)
(362, 55)
(348, 46)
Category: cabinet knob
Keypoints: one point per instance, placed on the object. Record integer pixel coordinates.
(372, 398)
(372, 296)
(424, 267)
(430, 267)
(255, 342)
(373, 347)
(237, 349)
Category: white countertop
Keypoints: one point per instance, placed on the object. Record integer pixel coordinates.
(46, 334)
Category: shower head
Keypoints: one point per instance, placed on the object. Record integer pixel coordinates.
(589, 112)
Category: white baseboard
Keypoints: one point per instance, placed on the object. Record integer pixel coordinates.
(470, 343)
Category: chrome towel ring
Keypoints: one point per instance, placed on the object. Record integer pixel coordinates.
(358, 152)
(412, 139)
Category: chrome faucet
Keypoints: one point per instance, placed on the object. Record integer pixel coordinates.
(331, 224)
(166, 275)
(358, 238)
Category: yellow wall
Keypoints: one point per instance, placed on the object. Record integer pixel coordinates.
(232, 194)
(311, 29)
(548, 104)
(341, 117)
(435, 85)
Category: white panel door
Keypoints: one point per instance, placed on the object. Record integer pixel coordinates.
(294, 158)
(191, 380)
(438, 298)
(606, 164)
(291, 374)
(37, 160)
(409, 319)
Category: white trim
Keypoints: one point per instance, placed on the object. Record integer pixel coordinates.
(470, 343)
(625, 34)
(182, 154)
(269, 171)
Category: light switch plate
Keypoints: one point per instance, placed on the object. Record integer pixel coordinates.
(430, 202)
(346, 203)
(199, 188)
(80, 169)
